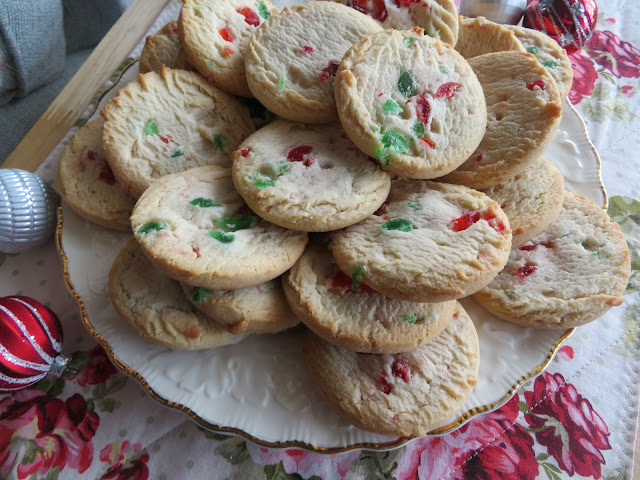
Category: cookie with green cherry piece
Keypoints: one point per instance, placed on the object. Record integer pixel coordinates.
(411, 102)
(215, 35)
(308, 177)
(195, 227)
(407, 394)
(345, 311)
(258, 309)
(478, 36)
(568, 276)
(292, 59)
(430, 242)
(169, 122)
(156, 308)
(164, 48)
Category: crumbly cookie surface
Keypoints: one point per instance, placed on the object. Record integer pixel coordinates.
(566, 277)
(531, 200)
(478, 36)
(215, 35)
(167, 123)
(308, 177)
(358, 318)
(195, 227)
(155, 306)
(259, 309)
(524, 111)
(429, 242)
(164, 48)
(86, 182)
(406, 394)
(291, 62)
(411, 102)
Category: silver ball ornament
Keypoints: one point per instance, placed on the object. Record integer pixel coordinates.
(499, 11)
(27, 210)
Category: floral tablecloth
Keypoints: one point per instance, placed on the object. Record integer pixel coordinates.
(577, 419)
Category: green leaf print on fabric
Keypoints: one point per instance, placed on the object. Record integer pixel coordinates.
(626, 212)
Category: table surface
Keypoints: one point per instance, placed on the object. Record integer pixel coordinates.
(577, 419)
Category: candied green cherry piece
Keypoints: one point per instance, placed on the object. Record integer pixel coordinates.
(401, 224)
(357, 277)
(406, 84)
(410, 319)
(220, 141)
(533, 50)
(221, 236)
(237, 222)
(391, 107)
(205, 202)
(200, 294)
(152, 227)
(151, 128)
(395, 140)
(263, 10)
(418, 129)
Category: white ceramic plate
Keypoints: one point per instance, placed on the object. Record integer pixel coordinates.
(260, 388)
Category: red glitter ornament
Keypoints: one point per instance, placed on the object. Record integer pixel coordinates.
(30, 343)
(568, 22)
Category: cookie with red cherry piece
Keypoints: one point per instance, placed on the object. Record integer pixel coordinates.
(85, 180)
(292, 60)
(156, 308)
(568, 276)
(215, 35)
(531, 200)
(438, 18)
(406, 394)
(308, 177)
(170, 122)
(477, 36)
(259, 309)
(429, 242)
(411, 102)
(195, 228)
(163, 48)
(524, 110)
(345, 312)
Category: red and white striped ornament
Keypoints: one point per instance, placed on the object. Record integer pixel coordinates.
(30, 343)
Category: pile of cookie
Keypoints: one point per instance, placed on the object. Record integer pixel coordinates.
(329, 214)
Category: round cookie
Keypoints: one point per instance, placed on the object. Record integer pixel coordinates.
(524, 112)
(308, 177)
(85, 180)
(531, 200)
(550, 55)
(215, 35)
(430, 242)
(358, 318)
(568, 276)
(195, 227)
(163, 48)
(155, 306)
(438, 18)
(167, 123)
(259, 309)
(292, 59)
(406, 394)
(411, 102)
(478, 36)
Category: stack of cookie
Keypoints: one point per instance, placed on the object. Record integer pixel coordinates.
(368, 119)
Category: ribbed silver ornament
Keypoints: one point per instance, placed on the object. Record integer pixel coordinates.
(499, 11)
(27, 210)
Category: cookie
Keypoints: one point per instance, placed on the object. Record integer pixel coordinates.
(357, 317)
(411, 102)
(163, 48)
(478, 36)
(524, 112)
(155, 306)
(259, 309)
(568, 276)
(215, 35)
(550, 55)
(308, 177)
(292, 60)
(531, 200)
(438, 18)
(429, 242)
(195, 227)
(406, 394)
(167, 123)
(85, 181)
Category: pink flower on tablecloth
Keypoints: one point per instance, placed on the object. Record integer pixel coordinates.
(38, 433)
(566, 353)
(584, 77)
(97, 371)
(567, 425)
(619, 57)
(122, 466)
